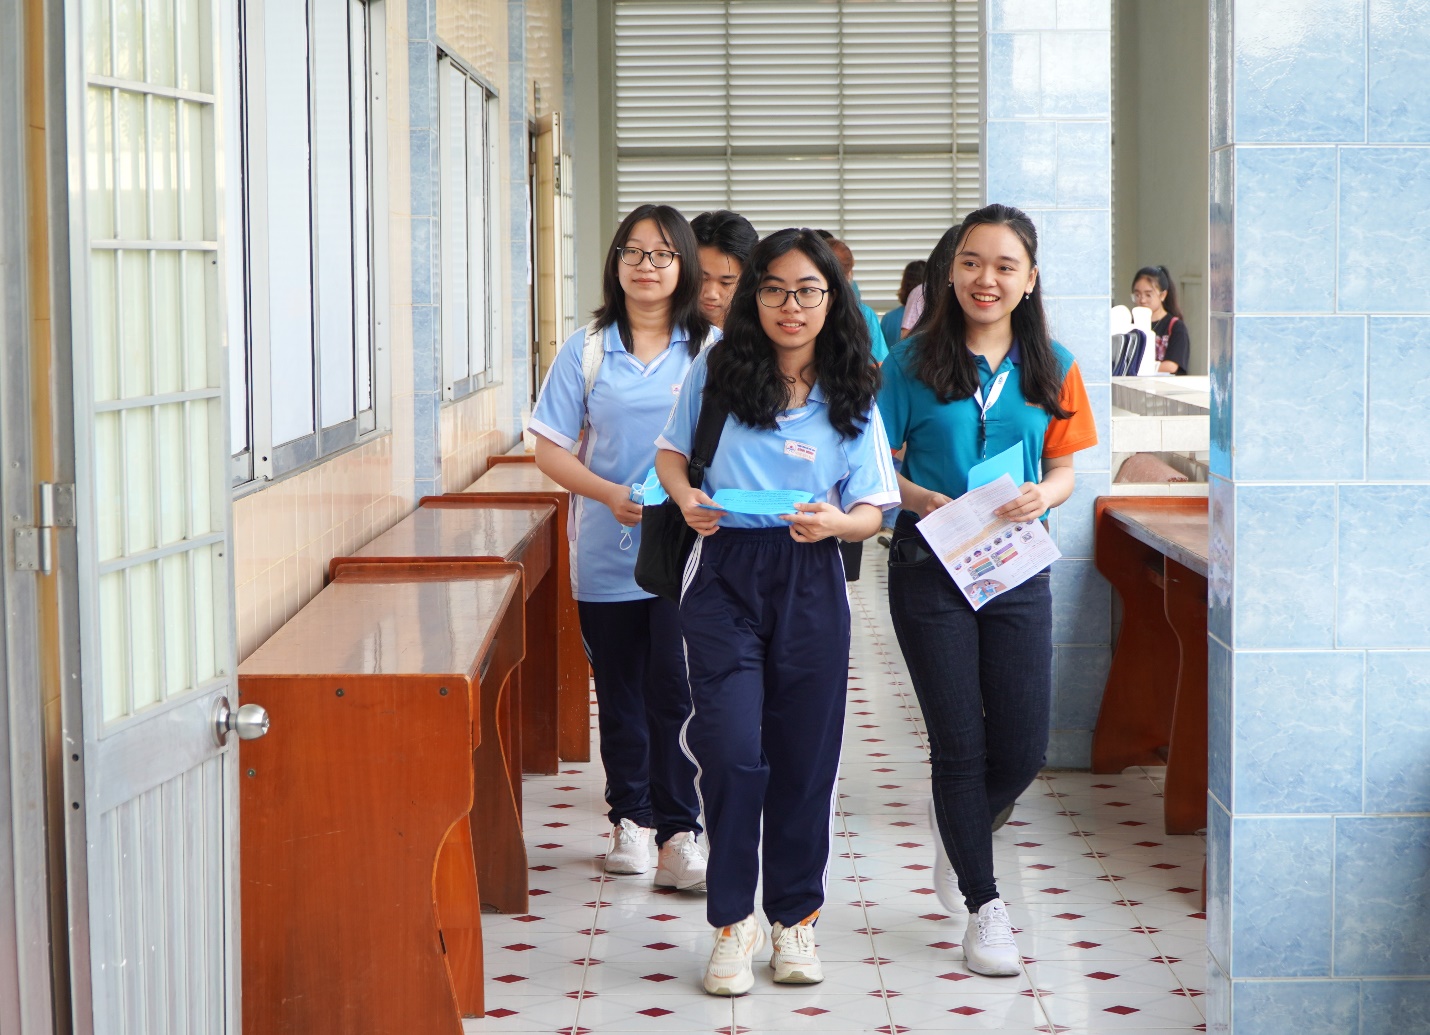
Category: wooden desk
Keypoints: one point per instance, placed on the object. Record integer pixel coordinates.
(1154, 710)
(524, 481)
(521, 533)
(517, 454)
(361, 889)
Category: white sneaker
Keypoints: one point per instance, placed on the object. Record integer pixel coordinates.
(988, 945)
(729, 972)
(945, 881)
(681, 864)
(630, 848)
(794, 960)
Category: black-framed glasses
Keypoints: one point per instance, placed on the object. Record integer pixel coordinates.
(806, 297)
(660, 258)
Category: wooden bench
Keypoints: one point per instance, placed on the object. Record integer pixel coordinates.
(1154, 709)
(514, 479)
(362, 883)
(515, 532)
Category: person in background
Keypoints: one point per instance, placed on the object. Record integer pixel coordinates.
(935, 283)
(649, 329)
(890, 322)
(726, 239)
(764, 613)
(878, 347)
(1153, 288)
(983, 375)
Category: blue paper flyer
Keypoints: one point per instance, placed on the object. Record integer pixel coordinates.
(759, 501)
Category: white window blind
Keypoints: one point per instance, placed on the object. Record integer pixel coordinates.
(855, 116)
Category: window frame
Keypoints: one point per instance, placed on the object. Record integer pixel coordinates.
(455, 389)
(262, 460)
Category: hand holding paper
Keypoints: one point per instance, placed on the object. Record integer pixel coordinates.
(759, 501)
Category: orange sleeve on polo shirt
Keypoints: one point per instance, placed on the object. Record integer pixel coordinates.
(1079, 430)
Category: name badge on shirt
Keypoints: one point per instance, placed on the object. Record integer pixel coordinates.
(675, 388)
(799, 450)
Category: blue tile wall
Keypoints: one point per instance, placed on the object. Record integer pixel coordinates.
(1294, 374)
(1281, 898)
(1397, 731)
(1048, 150)
(1398, 378)
(1383, 566)
(1285, 231)
(1398, 107)
(1286, 566)
(1288, 707)
(1394, 1007)
(1385, 229)
(1382, 890)
(1299, 1007)
(1319, 667)
(1218, 885)
(1299, 70)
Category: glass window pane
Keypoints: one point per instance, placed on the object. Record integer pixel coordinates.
(109, 485)
(477, 225)
(160, 16)
(200, 276)
(113, 646)
(288, 226)
(193, 48)
(333, 218)
(104, 340)
(163, 174)
(168, 302)
(97, 55)
(144, 655)
(134, 328)
(129, 39)
(173, 473)
(193, 166)
(133, 209)
(210, 570)
(206, 500)
(362, 207)
(178, 606)
(138, 483)
(454, 226)
(98, 167)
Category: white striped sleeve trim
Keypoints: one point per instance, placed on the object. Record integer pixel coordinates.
(548, 432)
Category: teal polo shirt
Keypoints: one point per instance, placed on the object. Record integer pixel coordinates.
(942, 438)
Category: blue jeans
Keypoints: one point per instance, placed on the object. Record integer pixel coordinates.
(984, 680)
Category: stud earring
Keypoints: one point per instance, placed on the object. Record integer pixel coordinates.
(1027, 296)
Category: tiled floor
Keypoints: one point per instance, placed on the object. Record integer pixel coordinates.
(1108, 905)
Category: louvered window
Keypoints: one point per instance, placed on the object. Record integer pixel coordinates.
(855, 116)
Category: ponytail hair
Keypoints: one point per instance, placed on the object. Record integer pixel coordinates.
(1162, 277)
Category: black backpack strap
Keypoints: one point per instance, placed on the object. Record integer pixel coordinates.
(708, 427)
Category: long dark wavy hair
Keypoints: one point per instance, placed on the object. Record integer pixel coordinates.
(935, 277)
(744, 372)
(684, 303)
(940, 356)
(1160, 276)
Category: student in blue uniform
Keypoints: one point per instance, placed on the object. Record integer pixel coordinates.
(981, 375)
(611, 388)
(764, 612)
(726, 240)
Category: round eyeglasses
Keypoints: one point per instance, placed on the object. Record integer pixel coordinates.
(807, 297)
(660, 258)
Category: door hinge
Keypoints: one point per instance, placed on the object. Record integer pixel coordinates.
(34, 549)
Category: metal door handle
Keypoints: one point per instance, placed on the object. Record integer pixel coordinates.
(250, 721)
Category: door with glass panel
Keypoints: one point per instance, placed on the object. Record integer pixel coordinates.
(146, 81)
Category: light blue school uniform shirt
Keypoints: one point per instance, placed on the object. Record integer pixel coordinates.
(805, 454)
(629, 404)
(878, 347)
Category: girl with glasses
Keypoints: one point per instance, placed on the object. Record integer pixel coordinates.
(981, 376)
(607, 396)
(1153, 287)
(764, 612)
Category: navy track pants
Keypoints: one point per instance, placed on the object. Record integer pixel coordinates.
(643, 701)
(766, 627)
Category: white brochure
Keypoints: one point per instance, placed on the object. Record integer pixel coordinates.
(986, 554)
